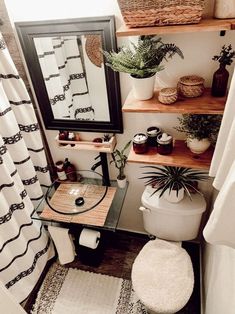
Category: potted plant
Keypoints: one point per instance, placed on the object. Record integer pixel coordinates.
(173, 182)
(120, 159)
(201, 130)
(220, 77)
(142, 61)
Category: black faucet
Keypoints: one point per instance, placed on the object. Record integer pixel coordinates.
(104, 165)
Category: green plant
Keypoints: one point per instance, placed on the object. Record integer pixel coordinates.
(120, 159)
(142, 59)
(174, 178)
(200, 126)
(226, 55)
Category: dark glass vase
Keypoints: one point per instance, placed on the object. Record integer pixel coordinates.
(220, 81)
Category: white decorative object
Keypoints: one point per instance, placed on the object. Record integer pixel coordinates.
(89, 238)
(162, 277)
(198, 146)
(143, 88)
(121, 183)
(224, 9)
(172, 196)
(173, 222)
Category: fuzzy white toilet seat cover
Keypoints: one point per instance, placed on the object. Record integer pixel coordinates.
(162, 276)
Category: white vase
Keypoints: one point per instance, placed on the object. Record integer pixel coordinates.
(172, 197)
(121, 183)
(143, 88)
(198, 146)
(224, 9)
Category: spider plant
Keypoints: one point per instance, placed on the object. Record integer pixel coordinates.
(173, 178)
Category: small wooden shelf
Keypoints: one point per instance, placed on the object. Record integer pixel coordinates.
(206, 104)
(206, 25)
(105, 147)
(180, 157)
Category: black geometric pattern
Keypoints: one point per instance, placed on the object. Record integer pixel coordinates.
(41, 169)
(3, 150)
(30, 181)
(17, 235)
(36, 150)
(5, 111)
(2, 44)
(22, 161)
(82, 110)
(47, 53)
(8, 76)
(13, 207)
(29, 128)
(29, 270)
(12, 139)
(22, 102)
(23, 253)
(6, 185)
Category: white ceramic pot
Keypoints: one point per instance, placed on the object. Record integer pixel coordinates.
(143, 88)
(172, 196)
(121, 183)
(224, 9)
(198, 146)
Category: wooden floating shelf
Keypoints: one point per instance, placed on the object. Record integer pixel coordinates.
(180, 157)
(206, 25)
(105, 147)
(205, 104)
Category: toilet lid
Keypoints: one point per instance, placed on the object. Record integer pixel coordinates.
(162, 276)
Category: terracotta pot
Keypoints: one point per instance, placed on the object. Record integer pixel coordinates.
(172, 195)
(143, 88)
(198, 146)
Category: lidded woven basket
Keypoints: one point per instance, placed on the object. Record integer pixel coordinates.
(168, 95)
(191, 86)
(139, 13)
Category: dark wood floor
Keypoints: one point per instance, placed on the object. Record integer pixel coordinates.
(115, 256)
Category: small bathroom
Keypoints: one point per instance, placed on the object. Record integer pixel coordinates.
(117, 159)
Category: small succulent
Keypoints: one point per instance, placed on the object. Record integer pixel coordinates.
(226, 56)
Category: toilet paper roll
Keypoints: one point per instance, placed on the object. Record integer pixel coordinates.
(89, 238)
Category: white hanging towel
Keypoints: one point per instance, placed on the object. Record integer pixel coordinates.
(63, 243)
(224, 154)
(220, 228)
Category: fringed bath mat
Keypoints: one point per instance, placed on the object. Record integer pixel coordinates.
(73, 291)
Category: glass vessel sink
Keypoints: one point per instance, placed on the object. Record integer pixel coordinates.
(84, 193)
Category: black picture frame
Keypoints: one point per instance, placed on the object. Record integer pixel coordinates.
(103, 25)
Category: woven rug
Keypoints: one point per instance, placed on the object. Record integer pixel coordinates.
(73, 291)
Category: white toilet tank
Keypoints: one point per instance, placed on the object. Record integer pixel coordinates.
(172, 221)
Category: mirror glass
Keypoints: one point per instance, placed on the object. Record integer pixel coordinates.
(75, 90)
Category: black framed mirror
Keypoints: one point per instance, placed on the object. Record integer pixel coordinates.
(75, 90)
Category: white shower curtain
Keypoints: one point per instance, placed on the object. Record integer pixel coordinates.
(65, 77)
(24, 245)
(221, 224)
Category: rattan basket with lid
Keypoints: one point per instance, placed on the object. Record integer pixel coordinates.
(191, 86)
(168, 95)
(138, 13)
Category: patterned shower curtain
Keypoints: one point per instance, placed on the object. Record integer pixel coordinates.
(24, 245)
(61, 61)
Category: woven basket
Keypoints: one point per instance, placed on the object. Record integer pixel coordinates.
(191, 86)
(138, 13)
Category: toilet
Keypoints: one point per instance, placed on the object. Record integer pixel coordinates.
(162, 273)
